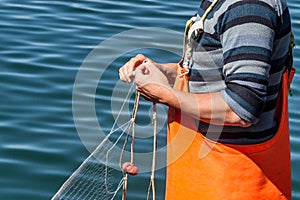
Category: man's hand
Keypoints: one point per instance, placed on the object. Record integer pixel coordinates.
(126, 72)
(151, 82)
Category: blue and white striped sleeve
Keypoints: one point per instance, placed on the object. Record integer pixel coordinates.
(247, 31)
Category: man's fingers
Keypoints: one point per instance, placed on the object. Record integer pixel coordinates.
(145, 70)
(142, 70)
(122, 75)
(127, 72)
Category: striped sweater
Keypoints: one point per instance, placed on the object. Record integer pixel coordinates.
(242, 54)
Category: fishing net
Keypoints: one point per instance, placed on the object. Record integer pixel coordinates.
(94, 179)
(100, 176)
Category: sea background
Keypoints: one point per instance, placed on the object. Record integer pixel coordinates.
(44, 45)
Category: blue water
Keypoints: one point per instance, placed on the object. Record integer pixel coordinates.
(43, 45)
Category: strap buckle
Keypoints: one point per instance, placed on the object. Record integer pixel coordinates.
(184, 72)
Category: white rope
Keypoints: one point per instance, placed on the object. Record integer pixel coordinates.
(107, 155)
(132, 128)
(194, 27)
(152, 177)
(122, 107)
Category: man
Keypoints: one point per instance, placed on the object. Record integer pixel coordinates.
(226, 102)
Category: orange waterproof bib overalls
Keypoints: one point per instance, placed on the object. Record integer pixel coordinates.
(203, 169)
(199, 168)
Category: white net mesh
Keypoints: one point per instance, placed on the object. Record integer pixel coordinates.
(100, 176)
